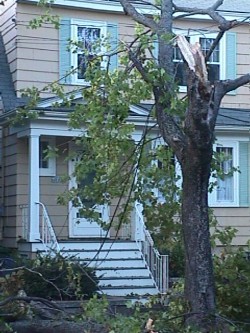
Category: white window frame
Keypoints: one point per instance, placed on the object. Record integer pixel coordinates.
(75, 23)
(195, 36)
(212, 197)
(50, 171)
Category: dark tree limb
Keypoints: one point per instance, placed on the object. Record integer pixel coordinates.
(215, 43)
(56, 326)
(229, 85)
(130, 10)
(211, 12)
(28, 299)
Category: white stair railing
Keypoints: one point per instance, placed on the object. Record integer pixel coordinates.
(46, 230)
(156, 262)
(25, 221)
(47, 233)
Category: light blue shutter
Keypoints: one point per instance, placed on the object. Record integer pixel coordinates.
(231, 57)
(64, 53)
(243, 176)
(112, 30)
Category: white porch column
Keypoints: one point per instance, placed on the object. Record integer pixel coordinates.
(139, 223)
(34, 187)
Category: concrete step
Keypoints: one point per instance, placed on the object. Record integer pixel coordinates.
(104, 254)
(126, 272)
(98, 245)
(119, 265)
(130, 290)
(115, 263)
(122, 282)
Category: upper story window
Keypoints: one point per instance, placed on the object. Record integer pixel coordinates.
(88, 35)
(216, 65)
(47, 164)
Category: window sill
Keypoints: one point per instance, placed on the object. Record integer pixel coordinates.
(224, 205)
(47, 173)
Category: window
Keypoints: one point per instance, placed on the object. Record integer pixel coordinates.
(226, 189)
(87, 33)
(179, 67)
(225, 185)
(88, 36)
(47, 165)
(215, 65)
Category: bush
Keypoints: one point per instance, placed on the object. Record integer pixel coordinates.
(232, 276)
(58, 278)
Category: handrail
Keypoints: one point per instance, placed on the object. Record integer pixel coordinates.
(47, 233)
(156, 262)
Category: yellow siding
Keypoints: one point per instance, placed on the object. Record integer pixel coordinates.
(238, 218)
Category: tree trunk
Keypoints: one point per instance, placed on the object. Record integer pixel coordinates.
(55, 326)
(199, 281)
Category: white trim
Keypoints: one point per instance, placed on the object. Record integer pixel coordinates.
(34, 189)
(112, 6)
(50, 171)
(212, 197)
(50, 101)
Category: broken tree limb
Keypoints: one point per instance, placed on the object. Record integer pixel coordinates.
(193, 56)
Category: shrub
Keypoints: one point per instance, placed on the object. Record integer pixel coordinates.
(58, 278)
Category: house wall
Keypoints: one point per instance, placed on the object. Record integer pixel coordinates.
(34, 61)
(9, 179)
(238, 218)
(38, 50)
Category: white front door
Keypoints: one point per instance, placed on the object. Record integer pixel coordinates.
(79, 226)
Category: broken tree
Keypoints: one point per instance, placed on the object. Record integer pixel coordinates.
(191, 140)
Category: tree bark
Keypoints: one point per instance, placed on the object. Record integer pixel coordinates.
(199, 280)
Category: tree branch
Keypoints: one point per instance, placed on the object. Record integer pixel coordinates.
(210, 11)
(229, 85)
(130, 10)
(30, 299)
(215, 43)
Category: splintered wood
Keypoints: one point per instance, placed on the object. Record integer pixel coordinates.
(193, 56)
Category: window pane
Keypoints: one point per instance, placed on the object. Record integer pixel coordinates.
(225, 188)
(180, 73)
(43, 161)
(179, 67)
(87, 181)
(88, 38)
(213, 72)
(206, 44)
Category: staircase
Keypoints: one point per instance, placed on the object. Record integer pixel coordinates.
(119, 265)
(124, 267)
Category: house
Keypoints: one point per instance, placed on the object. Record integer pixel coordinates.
(31, 218)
